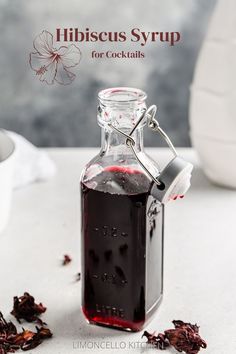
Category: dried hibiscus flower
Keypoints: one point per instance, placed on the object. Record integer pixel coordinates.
(7, 332)
(24, 307)
(184, 338)
(66, 260)
(6, 327)
(159, 341)
(27, 339)
(33, 339)
(10, 340)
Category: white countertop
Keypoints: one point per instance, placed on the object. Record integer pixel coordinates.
(199, 276)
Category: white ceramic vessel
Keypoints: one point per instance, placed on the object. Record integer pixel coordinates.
(213, 97)
(7, 154)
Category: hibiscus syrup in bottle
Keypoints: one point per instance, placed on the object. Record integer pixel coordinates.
(122, 223)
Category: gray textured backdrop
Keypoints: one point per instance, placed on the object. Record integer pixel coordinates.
(66, 115)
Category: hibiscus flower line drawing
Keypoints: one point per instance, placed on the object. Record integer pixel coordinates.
(51, 64)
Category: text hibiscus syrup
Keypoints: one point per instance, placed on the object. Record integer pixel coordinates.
(122, 223)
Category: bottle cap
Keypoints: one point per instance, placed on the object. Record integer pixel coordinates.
(175, 180)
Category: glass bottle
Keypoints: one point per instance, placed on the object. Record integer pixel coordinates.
(122, 223)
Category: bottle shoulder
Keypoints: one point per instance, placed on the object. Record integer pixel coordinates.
(115, 168)
(91, 164)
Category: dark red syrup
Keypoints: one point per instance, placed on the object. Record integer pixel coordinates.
(122, 241)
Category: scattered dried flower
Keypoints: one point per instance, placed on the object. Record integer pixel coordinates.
(44, 332)
(78, 277)
(67, 259)
(10, 340)
(23, 337)
(33, 339)
(24, 307)
(184, 338)
(7, 332)
(159, 341)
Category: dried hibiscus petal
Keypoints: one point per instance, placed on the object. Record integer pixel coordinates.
(23, 337)
(181, 324)
(6, 328)
(2, 349)
(7, 332)
(66, 260)
(184, 338)
(159, 341)
(36, 338)
(24, 307)
(44, 332)
(10, 340)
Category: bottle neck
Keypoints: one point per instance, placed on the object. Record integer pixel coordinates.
(115, 143)
(121, 108)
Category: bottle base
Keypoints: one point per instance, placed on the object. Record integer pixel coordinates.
(121, 324)
(114, 323)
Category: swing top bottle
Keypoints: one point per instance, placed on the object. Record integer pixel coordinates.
(122, 223)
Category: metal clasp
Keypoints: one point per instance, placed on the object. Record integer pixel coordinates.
(153, 124)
